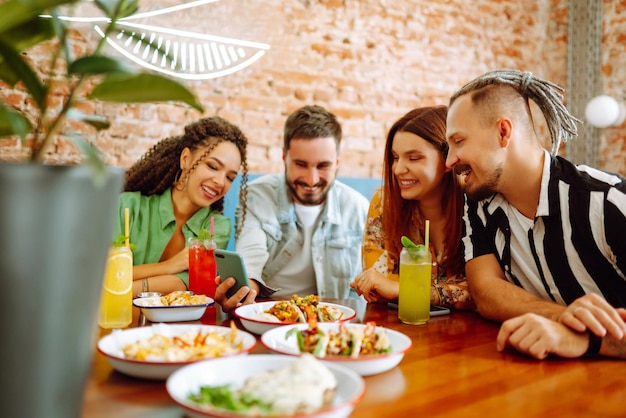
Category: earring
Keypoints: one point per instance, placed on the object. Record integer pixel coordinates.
(180, 186)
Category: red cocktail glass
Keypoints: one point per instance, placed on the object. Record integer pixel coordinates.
(202, 268)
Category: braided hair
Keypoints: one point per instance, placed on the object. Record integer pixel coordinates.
(547, 95)
(158, 169)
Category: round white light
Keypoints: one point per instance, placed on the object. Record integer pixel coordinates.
(604, 111)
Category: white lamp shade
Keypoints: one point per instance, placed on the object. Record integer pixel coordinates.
(604, 111)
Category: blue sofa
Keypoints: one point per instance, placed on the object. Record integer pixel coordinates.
(366, 186)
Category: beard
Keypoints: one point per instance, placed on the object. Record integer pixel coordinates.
(312, 198)
(486, 190)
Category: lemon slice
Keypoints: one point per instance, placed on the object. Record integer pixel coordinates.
(119, 275)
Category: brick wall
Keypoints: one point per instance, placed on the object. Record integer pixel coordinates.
(368, 61)
(613, 140)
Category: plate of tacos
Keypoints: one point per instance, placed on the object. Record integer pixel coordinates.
(263, 316)
(365, 348)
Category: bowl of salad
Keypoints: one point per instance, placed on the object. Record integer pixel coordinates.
(266, 384)
(364, 348)
(263, 316)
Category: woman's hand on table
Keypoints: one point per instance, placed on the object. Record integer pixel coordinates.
(244, 296)
(375, 287)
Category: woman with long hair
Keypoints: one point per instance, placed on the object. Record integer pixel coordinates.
(173, 192)
(416, 186)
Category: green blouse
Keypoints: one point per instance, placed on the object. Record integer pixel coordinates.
(152, 225)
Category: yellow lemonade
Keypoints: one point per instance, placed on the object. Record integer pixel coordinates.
(117, 297)
(414, 298)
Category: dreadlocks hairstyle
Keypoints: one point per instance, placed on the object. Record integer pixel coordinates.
(400, 215)
(158, 169)
(547, 95)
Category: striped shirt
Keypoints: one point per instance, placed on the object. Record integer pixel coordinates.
(575, 245)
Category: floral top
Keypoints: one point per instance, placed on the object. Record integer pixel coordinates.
(445, 291)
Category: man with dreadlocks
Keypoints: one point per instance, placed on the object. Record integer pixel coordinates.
(544, 239)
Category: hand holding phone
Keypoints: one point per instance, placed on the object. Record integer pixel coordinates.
(230, 264)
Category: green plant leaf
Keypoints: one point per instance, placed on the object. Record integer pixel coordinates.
(17, 12)
(13, 123)
(99, 64)
(96, 121)
(141, 88)
(126, 8)
(16, 63)
(7, 74)
(60, 31)
(93, 157)
(108, 6)
(28, 34)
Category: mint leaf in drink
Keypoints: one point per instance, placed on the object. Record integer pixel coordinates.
(407, 243)
(410, 245)
(204, 235)
(120, 241)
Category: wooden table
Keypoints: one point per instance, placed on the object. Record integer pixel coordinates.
(453, 369)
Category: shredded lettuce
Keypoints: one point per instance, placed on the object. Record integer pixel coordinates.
(223, 397)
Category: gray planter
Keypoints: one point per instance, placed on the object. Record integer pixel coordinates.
(55, 230)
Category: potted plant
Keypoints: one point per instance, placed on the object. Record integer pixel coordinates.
(56, 221)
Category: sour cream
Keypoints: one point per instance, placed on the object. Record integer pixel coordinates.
(303, 386)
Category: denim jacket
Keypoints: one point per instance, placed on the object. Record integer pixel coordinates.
(271, 233)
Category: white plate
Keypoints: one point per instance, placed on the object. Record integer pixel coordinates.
(111, 346)
(250, 316)
(234, 371)
(172, 313)
(367, 365)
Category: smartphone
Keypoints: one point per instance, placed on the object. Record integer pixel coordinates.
(230, 264)
(434, 310)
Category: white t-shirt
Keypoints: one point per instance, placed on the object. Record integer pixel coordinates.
(298, 275)
(520, 250)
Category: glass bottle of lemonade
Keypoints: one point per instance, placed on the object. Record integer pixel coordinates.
(116, 301)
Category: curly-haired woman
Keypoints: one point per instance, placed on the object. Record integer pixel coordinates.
(172, 193)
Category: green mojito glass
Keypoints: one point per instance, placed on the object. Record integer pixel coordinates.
(415, 273)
